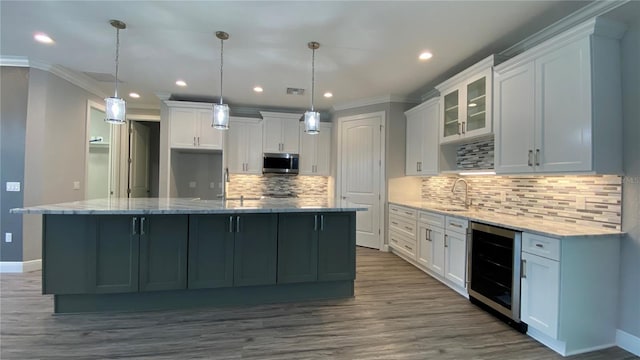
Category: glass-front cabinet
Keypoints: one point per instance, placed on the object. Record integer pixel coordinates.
(466, 100)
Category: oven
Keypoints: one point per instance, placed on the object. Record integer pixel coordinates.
(494, 271)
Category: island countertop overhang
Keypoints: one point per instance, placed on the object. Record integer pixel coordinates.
(151, 206)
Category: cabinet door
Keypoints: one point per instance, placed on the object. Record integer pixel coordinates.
(438, 250)
(414, 143)
(425, 247)
(336, 246)
(430, 144)
(563, 83)
(297, 247)
(323, 151)
(290, 136)
(308, 151)
(236, 146)
(183, 124)
(272, 135)
(539, 293)
(451, 126)
(208, 137)
(456, 258)
(253, 146)
(477, 106)
(210, 251)
(514, 118)
(255, 249)
(163, 252)
(114, 254)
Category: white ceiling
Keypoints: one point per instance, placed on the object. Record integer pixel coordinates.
(368, 49)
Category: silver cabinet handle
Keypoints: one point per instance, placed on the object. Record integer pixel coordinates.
(537, 157)
(231, 223)
(134, 225)
(198, 140)
(238, 224)
(445, 240)
(523, 269)
(315, 222)
(142, 225)
(408, 247)
(540, 246)
(456, 225)
(408, 213)
(194, 141)
(529, 161)
(429, 234)
(321, 222)
(394, 223)
(408, 228)
(459, 128)
(464, 123)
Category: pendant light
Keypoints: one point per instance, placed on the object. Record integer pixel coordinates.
(221, 111)
(311, 117)
(115, 106)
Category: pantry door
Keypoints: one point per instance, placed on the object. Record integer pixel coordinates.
(360, 173)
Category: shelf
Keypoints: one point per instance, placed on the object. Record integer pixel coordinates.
(451, 122)
(99, 144)
(455, 107)
(477, 98)
(478, 113)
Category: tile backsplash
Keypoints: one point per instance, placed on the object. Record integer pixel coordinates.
(258, 185)
(477, 155)
(579, 199)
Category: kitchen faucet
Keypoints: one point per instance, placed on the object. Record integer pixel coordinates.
(467, 202)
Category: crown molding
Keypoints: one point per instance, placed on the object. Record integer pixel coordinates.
(71, 76)
(481, 65)
(374, 101)
(593, 9)
(433, 93)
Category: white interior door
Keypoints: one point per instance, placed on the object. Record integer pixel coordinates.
(139, 164)
(360, 174)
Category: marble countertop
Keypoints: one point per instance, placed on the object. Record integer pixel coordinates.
(138, 206)
(549, 228)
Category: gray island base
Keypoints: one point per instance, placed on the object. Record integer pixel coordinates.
(153, 254)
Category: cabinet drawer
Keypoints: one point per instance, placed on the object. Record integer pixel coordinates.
(403, 225)
(402, 243)
(541, 245)
(456, 225)
(402, 211)
(431, 218)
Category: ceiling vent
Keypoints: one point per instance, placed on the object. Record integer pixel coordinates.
(295, 91)
(102, 77)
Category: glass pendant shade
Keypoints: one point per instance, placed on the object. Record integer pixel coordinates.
(312, 122)
(115, 110)
(221, 116)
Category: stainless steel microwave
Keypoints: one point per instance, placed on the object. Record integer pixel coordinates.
(274, 163)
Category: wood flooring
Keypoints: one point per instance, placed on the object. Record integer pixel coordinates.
(398, 312)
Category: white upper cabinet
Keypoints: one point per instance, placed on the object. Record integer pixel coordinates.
(422, 151)
(244, 146)
(558, 105)
(315, 151)
(190, 126)
(466, 102)
(281, 132)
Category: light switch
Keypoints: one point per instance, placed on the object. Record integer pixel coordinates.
(76, 185)
(192, 184)
(13, 186)
(8, 237)
(212, 185)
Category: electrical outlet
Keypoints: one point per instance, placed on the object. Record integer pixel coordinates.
(8, 237)
(212, 185)
(220, 185)
(13, 186)
(192, 184)
(76, 185)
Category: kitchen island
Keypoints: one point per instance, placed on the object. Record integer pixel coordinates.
(161, 253)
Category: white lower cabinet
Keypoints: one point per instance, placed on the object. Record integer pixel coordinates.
(539, 292)
(569, 291)
(455, 245)
(402, 231)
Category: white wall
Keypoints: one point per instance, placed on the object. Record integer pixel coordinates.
(630, 249)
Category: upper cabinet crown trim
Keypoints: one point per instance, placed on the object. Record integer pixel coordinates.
(189, 104)
(463, 75)
(596, 26)
(425, 104)
(374, 101)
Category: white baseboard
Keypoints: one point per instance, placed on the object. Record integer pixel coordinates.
(628, 342)
(20, 266)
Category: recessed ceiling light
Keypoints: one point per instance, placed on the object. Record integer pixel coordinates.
(328, 95)
(425, 56)
(258, 89)
(134, 95)
(181, 83)
(43, 38)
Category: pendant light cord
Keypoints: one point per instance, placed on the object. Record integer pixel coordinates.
(221, 64)
(313, 75)
(117, 56)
